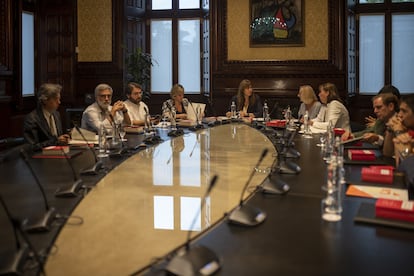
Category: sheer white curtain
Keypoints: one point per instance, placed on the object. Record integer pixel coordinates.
(372, 53)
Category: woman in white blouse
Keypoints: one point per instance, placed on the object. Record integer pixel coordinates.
(335, 111)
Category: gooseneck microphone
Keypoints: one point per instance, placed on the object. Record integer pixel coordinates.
(286, 152)
(71, 190)
(98, 163)
(15, 264)
(147, 124)
(198, 125)
(273, 184)
(43, 224)
(244, 214)
(196, 260)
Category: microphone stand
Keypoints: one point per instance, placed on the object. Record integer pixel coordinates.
(196, 260)
(284, 152)
(244, 214)
(72, 190)
(290, 151)
(44, 223)
(98, 163)
(14, 265)
(198, 125)
(174, 132)
(273, 185)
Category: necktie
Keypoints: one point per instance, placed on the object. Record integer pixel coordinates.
(52, 125)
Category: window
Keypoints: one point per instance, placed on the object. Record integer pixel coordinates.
(28, 83)
(385, 40)
(176, 45)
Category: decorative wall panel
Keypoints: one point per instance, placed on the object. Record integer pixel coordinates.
(95, 30)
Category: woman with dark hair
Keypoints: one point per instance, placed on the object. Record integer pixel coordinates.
(335, 111)
(248, 104)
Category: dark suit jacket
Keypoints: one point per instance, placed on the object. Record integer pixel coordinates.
(256, 109)
(36, 130)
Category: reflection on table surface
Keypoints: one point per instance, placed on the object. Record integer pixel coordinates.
(144, 207)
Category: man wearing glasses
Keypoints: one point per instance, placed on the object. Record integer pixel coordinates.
(101, 111)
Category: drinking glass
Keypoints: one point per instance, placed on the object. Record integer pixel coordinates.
(402, 151)
(322, 140)
(164, 119)
(122, 133)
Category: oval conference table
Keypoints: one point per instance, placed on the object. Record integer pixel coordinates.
(141, 211)
(145, 206)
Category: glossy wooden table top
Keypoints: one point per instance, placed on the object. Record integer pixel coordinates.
(144, 207)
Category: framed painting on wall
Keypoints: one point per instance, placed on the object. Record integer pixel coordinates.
(276, 23)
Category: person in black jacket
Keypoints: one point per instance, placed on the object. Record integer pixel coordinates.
(248, 104)
(43, 127)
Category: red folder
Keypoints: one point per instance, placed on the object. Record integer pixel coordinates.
(395, 209)
(276, 123)
(378, 174)
(362, 155)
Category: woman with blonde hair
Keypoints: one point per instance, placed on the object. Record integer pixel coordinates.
(177, 101)
(309, 101)
(248, 104)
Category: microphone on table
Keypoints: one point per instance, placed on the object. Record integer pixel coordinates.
(72, 190)
(274, 108)
(198, 259)
(43, 224)
(284, 153)
(98, 163)
(147, 122)
(198, 125)
(274, 185)
(244, 214)
(174, 132)
(14, 264)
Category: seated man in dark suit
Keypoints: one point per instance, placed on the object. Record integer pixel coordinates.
(43, 127)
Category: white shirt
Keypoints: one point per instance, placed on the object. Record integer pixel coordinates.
(93, 116)
(136, 111)
(335, 112)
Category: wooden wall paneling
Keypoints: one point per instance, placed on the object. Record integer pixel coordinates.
(7, 69)
(56, 46)
(6, 37)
